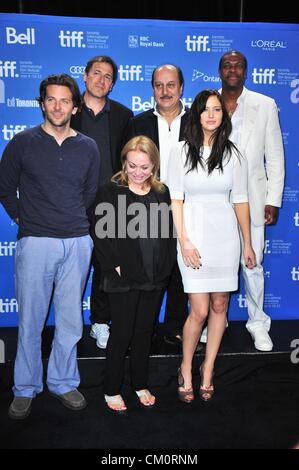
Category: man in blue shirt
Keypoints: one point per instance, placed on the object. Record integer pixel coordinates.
(55, 171)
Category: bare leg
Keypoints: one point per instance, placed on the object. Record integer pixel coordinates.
(199, 307)
(216, 328)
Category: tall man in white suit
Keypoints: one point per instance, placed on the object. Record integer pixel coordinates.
(256, 131)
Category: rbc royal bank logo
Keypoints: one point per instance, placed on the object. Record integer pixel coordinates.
(130, 73)
(133, 41)
(263, 76)
(27, 38)
(8, 69)
(10, 131)
(71, 39)
(197, 43)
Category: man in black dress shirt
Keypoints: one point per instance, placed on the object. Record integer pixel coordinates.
(104, 120)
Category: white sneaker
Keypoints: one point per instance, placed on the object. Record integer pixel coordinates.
(204, 334)
(100, 332)
(261, 339)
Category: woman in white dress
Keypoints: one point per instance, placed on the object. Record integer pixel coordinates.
(207, 178)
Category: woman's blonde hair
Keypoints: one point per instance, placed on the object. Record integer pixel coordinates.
(143, 144)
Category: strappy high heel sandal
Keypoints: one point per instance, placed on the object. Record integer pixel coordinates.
(205, 393)
(184, 394)
(116, 405)
(145, 398)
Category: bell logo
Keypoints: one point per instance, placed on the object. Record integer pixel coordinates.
(71, 39)
(27, 38)
(296, 219)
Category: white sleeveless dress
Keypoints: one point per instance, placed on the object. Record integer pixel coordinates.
(210, 219)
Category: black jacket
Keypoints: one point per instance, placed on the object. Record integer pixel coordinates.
(147, 124)
(119, 116)
(126, 252)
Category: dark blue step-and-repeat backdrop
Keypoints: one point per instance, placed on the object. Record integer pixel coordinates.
(33, 47)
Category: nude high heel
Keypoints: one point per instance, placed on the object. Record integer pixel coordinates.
(205, 393)
(184, 394)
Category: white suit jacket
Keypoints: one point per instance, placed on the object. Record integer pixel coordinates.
(261, 141)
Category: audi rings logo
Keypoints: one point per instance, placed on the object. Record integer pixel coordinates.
(77, 69)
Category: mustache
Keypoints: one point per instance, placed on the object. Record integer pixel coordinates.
(165, 96)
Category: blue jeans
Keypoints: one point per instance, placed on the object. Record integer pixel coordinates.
(42, 263)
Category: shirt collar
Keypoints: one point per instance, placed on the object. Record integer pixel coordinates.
(241, 98)
(106, 107)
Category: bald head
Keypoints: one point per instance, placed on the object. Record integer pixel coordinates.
(168, 68)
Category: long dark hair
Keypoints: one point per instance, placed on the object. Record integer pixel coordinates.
(194, 136)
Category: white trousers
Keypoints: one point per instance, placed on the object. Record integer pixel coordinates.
(254, 283)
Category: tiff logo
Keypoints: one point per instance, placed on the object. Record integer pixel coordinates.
(8, 68)
(295, 273)
(71, 39)
(263, 76)
(2, 351)
(8, 306)
(23, 38)
(242, 301)
(7, 248)
(130, 73)
(267, 247)
(296, 218)
(86, 304)
(197, 43)
(295, 93)
(8, 133)
(2, 92)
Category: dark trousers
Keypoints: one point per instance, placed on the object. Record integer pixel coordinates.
(133, 317)
(99, 304)
(176, 310)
